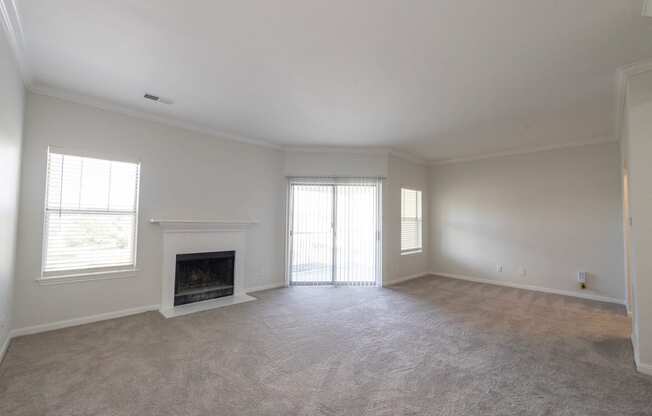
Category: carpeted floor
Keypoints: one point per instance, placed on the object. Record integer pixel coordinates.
(431, 346)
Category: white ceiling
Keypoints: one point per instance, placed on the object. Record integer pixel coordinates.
(436, 78)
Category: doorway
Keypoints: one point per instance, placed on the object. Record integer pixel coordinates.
(334, 232)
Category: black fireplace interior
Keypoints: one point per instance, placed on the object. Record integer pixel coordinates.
(203, 276)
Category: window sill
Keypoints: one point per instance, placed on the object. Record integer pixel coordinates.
(87, 277)
(410, 252)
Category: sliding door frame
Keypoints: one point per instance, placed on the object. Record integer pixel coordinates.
(333, 182)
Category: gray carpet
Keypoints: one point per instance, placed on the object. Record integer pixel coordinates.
(431, 346)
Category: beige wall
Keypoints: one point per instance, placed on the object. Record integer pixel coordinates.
(11, 134)
(554, 213)
(638, 148)
(402, 174)
(184, 175)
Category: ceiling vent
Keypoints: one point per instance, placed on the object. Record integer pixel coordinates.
(156, 98)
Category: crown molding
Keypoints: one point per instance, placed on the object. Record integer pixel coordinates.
(143, 115)
(524, 151)
(107, 105)
(412, 158)
(13, 27)
(623, 75)
(376, 151)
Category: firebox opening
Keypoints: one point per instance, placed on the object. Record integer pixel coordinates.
(203, 276)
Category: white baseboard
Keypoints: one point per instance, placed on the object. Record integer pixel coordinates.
(534, 288)
(29, 330)
(405, 279)
(4, 347)
(635, 347)
(104, 316)
(641, 367)
(644, 368)
(264, 287)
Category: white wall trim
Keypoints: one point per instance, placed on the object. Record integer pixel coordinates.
(168, 120)
(533, 288)
(644, 369)
(368, 150)
(87, 277)
(410, 157)
(590, 142)
(641, 367)
(405, 279)
(4, 347)
(634, 346)
(29, 330)
(622, 79)
(171, 121)
(264, 287)
(185, 224)
(13, 27)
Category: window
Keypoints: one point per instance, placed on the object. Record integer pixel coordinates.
(91, 215)
(411, 219)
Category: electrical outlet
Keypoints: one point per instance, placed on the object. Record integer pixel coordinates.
(522, 271)
(582, 276)
(499, 268)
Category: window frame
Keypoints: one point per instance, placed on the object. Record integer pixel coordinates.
(89, 273)
(414, 250)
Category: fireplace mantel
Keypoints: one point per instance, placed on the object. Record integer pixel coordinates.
(188, 224)
(184, 236)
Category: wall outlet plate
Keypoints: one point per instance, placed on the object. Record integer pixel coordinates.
(499, 268)
(582, 277)
(522, 271)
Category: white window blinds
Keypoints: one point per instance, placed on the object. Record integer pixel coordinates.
(411, 221)
(90, 215)
(335, 231)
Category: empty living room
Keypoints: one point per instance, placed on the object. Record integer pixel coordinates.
(329, 208)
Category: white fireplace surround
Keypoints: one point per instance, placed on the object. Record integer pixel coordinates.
(201, 236)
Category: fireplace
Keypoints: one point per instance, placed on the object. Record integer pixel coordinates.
(203, 276)
(201, 237)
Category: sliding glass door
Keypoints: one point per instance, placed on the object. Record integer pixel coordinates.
(311, 235)
(334, 233)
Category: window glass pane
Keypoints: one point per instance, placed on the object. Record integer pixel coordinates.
(411, 220)
(82, 241)
(90, 218)
(64, 181)
(123, 186)
(94, 182)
